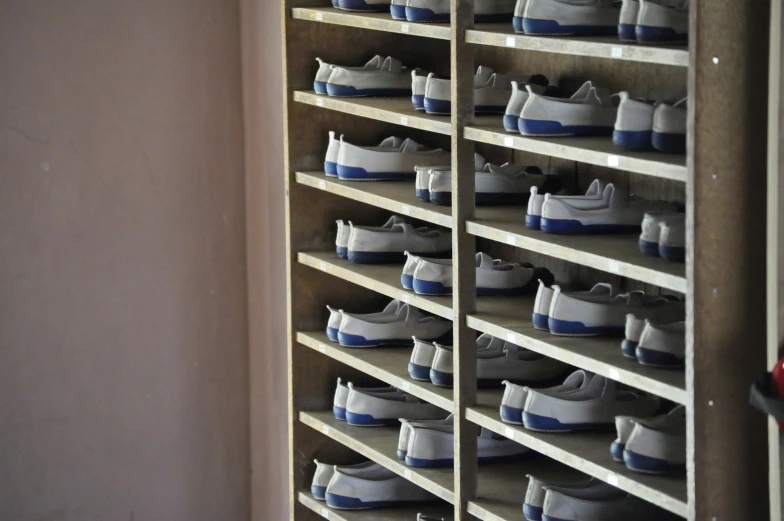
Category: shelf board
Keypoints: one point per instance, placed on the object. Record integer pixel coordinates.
(381, 278)
(594, 150)
(600, 355)
(589, 453)
(395, 196)
(616, 254)
(503, 35)
(401, 513)
(388, 364)
(372, 21)
(391, 110)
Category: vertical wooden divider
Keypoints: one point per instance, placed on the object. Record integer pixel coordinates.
(463, 247)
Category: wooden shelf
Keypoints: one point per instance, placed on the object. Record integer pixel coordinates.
(388, 364)
(594, 150)
(401, 513)
(589, 453)
(616, 254)
(396, 196)
(381, 278)
(391, 110)
(372, 21)
(502, 35)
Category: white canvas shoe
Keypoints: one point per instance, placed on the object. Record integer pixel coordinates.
(614, 213)
(423, 174)
(651, 230)
(533, 503)
(669, 127)
(398, 9)
(662, 346)
(340, 398)
(628, 20)
(434, 447)
(591, 315)
(442, 371)
(365, 6)
(438, 11)
(438, 91)
(324, 473)
(344, 234)
(494, 184)
(370, 331)
(407, 425)
(492, 92)
(390, 79)
(634, 123)
(584, 114)
(418, 85)
(658, 445)
(518, 98)
(623, 427)
(513, 400)
(357, 163)
(672, 240)
(632, 332)
(571, 17)
(372, 488)
(368, 246)
(517, 17)
(421, 360)
(331, 159)
(663, 21)
(544, 299)
(595, 504)
(533, 216)
(371, 409)
(325, 71)
(336, 317)
(594, 407)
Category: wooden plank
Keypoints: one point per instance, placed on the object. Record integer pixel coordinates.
(397, 197)
(371, 21)
(594, 150)
(588, 453)
(391, 110)
(502, 35)
(388, 364)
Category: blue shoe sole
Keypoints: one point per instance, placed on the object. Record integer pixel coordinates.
(627, 33)
(422, 14)
(318, 492)
(511, 123)
(332, 333)
(320, 87)
(545, 27)
(429, 463)
(349, 340)
(427, 287)
(541, 322)
(423, 195)
(633, 140)
(532, 513)
(673, 253)
(658, 359)
(649, 248)
(352, 503)
(441, 379)
(573, 328)
(361, 5)
(517, 24)
(438, 107)
(650, 465)
(573, 226)
(537, 127)
(339, 412)
(418, 100)
(347, 91)
(407, 281)
(419, 372)
(628, 347)
(342, 252)
(651, 34)
(330, 168)
(533, 222)
(616, 451)
(511, 415)
(669, 143)
(536, 422)
(398, 12)
(366, 420)
(352, 173)
(401, 454)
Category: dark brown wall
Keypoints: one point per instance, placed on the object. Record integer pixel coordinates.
(123, 343)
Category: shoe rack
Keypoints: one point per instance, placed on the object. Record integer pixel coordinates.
(720, 182)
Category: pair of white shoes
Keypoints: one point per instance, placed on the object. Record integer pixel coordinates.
(654, 21)
(394, 159)
(378, 77)
(600, 311)
(664, 234)
(438, 11)
(566, 17)
(424, 174)
(655, 344)
(362, 486)
(431, 444)
(492, 91)
(652, 445)
(379, 406)
(497, 361)
(433, 276)
(533, 216)
(389, 243)
(395, 325)
(583, 402)
(641, 125)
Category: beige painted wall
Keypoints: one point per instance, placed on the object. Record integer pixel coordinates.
(123, 328)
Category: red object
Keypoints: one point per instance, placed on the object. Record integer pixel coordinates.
(777, 384)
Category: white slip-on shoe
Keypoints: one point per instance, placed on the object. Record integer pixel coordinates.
(418, 85)
(438, 11)
(357, 163)
(344, 234)
(672, 240)
(517, 16)
(390, 79)
(536, 491)
(421, 360)
(371, 409)
(407, 276)
(628, 20)
(423, 173)
(519, 96)
(596, 504)
(366, 6)
(663, 21)
(533, 216)
(513, 400)
(336, 317)
(405, 431)
(438, 91)
(615, 212)
(340, 399)
(658, 445)
(651, 230)
(434, 447)
(634, 123)
(594, 407)
(662, 346)
(492, 96)
(590, 114)
(375, 330)
(623, 427)
(574, 314)
(494, 184)
(324, 473)
(632, 332)
(571, 17)
(398, 9)
(544, 299)
(325, 71)
(331, 159)
(369, 246)
(372, 488)
(669, 128)
(442, 370)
